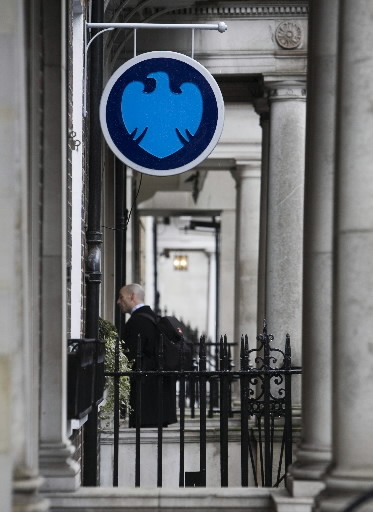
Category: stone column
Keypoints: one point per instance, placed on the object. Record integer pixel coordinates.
(227, 263)
(262, 108)
(211, 297)
(314, 453)
(285, 214)
(19, 469)
(247, 176)
(150, 298)
(351, 471)
(56, 464)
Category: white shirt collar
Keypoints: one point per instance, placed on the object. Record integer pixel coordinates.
(137, 307)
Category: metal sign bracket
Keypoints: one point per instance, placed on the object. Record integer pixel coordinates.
(220, 27)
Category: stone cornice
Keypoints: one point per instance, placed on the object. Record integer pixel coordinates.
(244, 10)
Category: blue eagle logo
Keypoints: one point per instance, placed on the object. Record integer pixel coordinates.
(162, 121)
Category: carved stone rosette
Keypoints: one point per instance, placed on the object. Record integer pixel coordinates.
(288, 35)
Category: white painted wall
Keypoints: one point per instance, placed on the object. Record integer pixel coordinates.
(77, 181)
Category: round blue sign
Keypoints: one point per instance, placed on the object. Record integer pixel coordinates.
(162, 113)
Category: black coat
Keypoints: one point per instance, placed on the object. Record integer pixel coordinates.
(138, 324)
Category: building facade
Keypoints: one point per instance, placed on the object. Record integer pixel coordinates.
(289, 182)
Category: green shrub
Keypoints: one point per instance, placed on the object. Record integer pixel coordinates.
(109, 334)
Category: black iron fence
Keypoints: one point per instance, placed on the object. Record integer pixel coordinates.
(264, 409)
(86, 380)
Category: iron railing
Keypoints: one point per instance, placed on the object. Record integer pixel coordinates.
(212, 358)
(264, 409)
(86, 378)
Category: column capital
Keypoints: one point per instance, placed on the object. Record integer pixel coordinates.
(286, 89)
(246, 169)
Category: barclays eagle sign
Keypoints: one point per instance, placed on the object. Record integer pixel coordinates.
(162, 113)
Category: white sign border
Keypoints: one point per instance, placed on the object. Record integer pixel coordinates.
(171, 55)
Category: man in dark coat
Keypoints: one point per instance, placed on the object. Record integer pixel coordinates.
(131, 300)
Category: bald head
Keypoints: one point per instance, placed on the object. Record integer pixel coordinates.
(129, 296)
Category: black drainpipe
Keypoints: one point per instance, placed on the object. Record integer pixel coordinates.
(120, 235)
(155, 263)
(217, 277)
(120, 280)
(94, 234)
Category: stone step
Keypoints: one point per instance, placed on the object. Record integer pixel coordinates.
(96, 499)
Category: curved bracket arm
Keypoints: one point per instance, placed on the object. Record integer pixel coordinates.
(87, 45)
(220, 27)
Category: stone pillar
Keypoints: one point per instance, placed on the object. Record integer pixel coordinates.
(247, 176)
(262, 108)
(150, 263)
(20, 479)
(351, 471)
(56, 465)
(285, 214)
(227, 264)
(314, 453)
(211, 294)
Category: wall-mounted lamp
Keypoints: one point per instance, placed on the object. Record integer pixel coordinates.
(181, 262)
